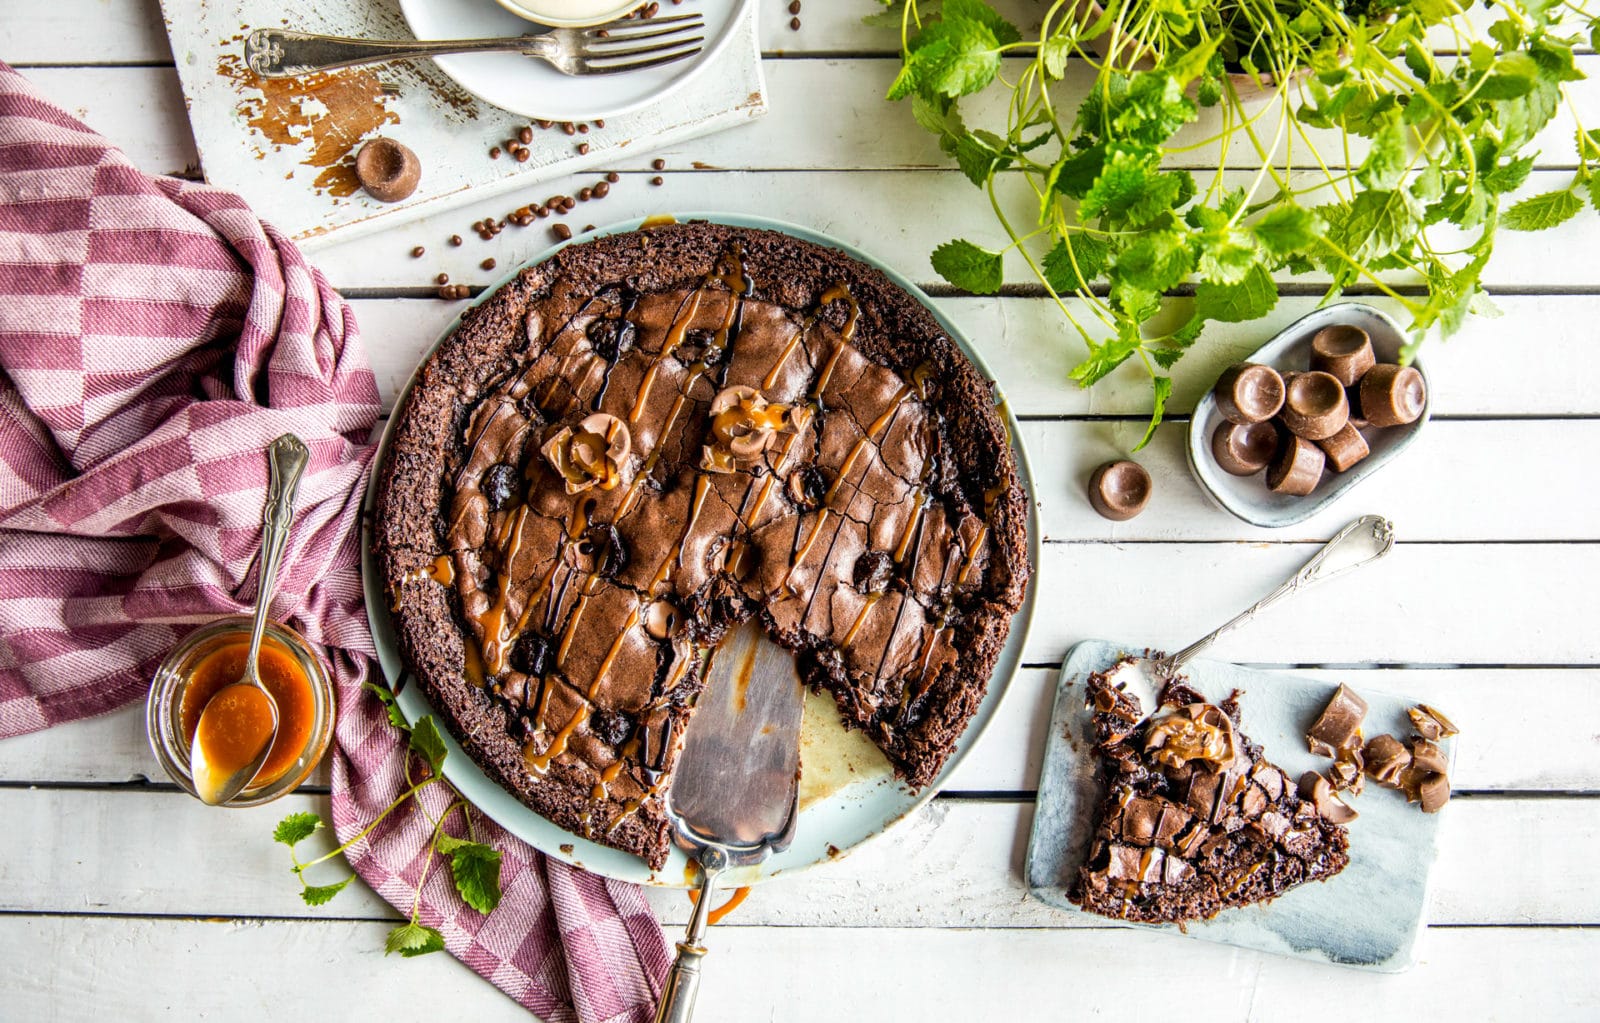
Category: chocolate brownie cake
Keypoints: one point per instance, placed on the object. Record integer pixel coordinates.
(1194, 820)
(654, 435)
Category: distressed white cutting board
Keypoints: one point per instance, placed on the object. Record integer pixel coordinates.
(1368, 915)
(288, 146)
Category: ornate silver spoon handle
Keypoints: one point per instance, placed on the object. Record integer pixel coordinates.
(1360, 543)
(286, 460)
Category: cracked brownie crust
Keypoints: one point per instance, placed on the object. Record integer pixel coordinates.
(652, 436)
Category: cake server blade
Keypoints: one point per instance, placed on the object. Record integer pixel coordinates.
(733, 799)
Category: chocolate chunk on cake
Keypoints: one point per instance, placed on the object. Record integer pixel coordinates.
(652, 436)
(1194, 819)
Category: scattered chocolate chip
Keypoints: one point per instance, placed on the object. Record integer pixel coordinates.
(599, 122)
(569, 128)
(873, 571)
(541, 211)
(561, 231)
(531, 654)
(583, 148)
(584, 194)
(494, 152)
(545, 124)
(522, 155)
(583, 129)
(611, 727)
(488, 264)
(658, 163)
(613, 177)
(455, 239)
(417, 252)
(794, 7)
(658, 180)
(601, 190)
(525, 135)
(499, 484)
(794, 24)
(442, 279)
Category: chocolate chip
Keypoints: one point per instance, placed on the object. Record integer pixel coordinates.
(613, 177)
(794, 7)
(794, 24)
(417, 252)
(561, 231)
(658, 163)
(601, 190)
(545, 124)
(525, 135)
(611, 337)
(873, 571)
(583, 129)
(583, 150)
(611, 727)
(442, 279)
(603, 543)
(585, 194)
(569, 128)
(488, 264)
(455, 239)
(531, 654)
(522, 155)
(658, 180)
(494, 152)
(499, 484)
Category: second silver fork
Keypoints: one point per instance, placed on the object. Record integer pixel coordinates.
(630, 44)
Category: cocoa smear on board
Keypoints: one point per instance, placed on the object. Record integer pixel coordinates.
(324, 115)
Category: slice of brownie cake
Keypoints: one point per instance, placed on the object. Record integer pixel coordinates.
(1194, 819)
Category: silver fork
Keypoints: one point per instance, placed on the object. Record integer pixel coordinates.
(630, 44)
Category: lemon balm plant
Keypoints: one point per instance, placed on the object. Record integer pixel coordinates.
(1344, 145)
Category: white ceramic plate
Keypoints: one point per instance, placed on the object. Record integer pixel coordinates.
(1247, 497)
(841, 807)
(530, 87)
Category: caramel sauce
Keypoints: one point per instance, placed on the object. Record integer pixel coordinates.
(236, 730)
(674, 338)
(493, 621)
(540, 763)
(861, 617)
(910, 530)
(715, 916)
(969, 557)
(629, 751)
(611, 654)
(441, 571)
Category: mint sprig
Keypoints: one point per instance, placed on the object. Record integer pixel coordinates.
(474, 866)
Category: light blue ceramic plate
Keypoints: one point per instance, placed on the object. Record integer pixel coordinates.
(1247, 497)
(829, 827)
(1366, 916)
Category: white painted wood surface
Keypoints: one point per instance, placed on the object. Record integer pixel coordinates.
(112, 904)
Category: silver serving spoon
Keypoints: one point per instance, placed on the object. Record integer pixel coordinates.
(1360, 543)
(216, 784)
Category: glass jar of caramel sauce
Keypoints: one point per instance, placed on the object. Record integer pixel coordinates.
(211, 658)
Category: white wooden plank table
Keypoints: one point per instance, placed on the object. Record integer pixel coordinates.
(120, 896)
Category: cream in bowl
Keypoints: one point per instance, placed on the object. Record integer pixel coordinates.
(569, 13)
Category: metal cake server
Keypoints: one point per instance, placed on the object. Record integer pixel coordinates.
(734, 793)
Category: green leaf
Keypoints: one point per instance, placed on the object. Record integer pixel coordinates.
(390, 707)
(476, 868)
(1108, 355)
(1153, 263)
(1513, 75)
(425, 740)
(1189, 64)
(1054, 53)
(1163, 390)
(318, 894)
(1287, 229)
(1508, 177)
(955, 58)
(977, 160)
(905, 80)
(1379, 222)
(1130, 189)
(1542, 211)
(413, 939)
(1385, 164)
(1250, 299)
(297, 827)
(1522, 119)
(1090, 254)
(1078, 172)
(969, 267)
(1209, 93)
(1594, 193)
(981, 13)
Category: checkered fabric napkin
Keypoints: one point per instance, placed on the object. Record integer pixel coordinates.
(154, 337)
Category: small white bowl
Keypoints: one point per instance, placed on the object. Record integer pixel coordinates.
(1247, 497)
(559, 13)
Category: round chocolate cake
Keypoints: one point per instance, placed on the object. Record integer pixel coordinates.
(652, 436)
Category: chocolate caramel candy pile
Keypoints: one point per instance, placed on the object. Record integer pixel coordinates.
(1416, 766)
(1295, 425)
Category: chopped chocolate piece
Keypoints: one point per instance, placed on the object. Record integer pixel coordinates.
(1385, 757)
(1434, 792)
(1346, 773)
(1250, 839)
(873, 571)
(1338, 727)
(499, 485)
(1427, 757)
(1429, 723)
(1315, 787)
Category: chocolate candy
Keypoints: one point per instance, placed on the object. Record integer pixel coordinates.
(1249, 393)
(1314, 405)
(1297, 467)
(1119, 490)
(1345, 448)
(1244, 449)
(388, 170)
(1343, 350)
(1392, 395)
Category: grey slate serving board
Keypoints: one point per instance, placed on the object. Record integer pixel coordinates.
(1368, 916)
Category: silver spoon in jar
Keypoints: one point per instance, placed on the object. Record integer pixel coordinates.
(243, 715)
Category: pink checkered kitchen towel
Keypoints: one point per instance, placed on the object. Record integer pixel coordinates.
(154, 337)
